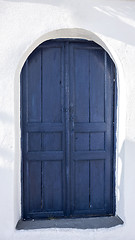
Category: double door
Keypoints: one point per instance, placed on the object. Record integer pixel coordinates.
(67, 92)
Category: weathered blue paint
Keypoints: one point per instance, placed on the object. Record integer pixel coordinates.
(67, 130)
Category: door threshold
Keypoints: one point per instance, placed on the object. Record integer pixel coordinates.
(78, 223)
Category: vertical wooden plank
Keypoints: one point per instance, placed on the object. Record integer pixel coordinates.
(34, 86)
(52, 185)
(97, 190)
(51, 85)
(34, 179)
(71, 127)
(79, 102)
(81, 185)
(67, 134)
(81, 71)
(97, 76)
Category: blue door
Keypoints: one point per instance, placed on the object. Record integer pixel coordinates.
(67, 109)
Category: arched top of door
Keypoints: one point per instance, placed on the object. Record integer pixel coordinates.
(70, 33)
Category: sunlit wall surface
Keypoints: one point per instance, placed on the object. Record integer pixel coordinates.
(24, 24)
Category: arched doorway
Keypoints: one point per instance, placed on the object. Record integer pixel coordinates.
(67, 101)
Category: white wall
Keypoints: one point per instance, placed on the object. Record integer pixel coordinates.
(23, 25)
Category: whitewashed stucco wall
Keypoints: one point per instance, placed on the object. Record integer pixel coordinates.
(23, 25)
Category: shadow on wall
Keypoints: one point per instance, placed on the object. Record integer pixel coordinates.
(120, 172)
(118, 19)
(126, 179)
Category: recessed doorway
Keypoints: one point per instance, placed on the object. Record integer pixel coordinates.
(67, 122)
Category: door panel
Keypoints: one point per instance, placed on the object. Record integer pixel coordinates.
(97, 85)
(43, 132)
(97, 184)
(33, 87)
(52, 186)
(82, 141)
(81, 185)
(81, 84)
(52, 141)
(52, 83)
(34, 186)
(67, 130)
(91, 95)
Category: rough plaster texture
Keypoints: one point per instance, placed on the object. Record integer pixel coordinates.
(24, 25)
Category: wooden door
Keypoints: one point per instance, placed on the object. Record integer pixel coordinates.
(67, 130)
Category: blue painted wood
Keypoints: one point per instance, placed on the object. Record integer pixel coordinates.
(51, 84)
(81, 181)
(67, 130)
(91, 81)
(43, 131)
(97, 91)
(52, 186)
(34, 87)
(34, 186)
(97, 184)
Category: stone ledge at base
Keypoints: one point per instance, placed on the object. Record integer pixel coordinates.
(78, 223)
